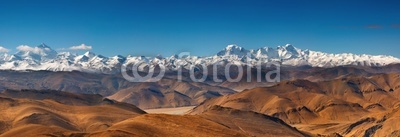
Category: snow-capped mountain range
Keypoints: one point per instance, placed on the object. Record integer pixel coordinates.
(45, 58)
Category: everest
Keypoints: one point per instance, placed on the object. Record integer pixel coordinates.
(45, 58)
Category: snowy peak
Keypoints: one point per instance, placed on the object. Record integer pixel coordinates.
(11, 58)
(66, 55)
(89, 54)
(43, 46)
(233, 47)
(266, 52)
(119, 58)
(46, 51)
(289, 47)
(38, 53)
(288, 51)
(233, 50)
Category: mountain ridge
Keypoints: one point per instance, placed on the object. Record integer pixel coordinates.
(43, 57)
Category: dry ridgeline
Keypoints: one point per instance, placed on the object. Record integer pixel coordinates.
(56, 113)
(347, 106)
(338, 101)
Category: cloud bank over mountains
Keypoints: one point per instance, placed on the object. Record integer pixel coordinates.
(3, 50)
(81, 47)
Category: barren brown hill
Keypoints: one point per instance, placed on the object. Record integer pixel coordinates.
(313, 74)
(161, 125)
(169, 93)
(59, 96)
(218, 121)
(74, 82)
(333, 105)
(250, 123)
(56, 113)
(27, 117)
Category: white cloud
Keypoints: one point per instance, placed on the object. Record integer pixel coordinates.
(27, 48)
(81, 47)
(3, 50)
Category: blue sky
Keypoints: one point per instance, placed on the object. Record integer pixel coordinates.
(202, 27)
